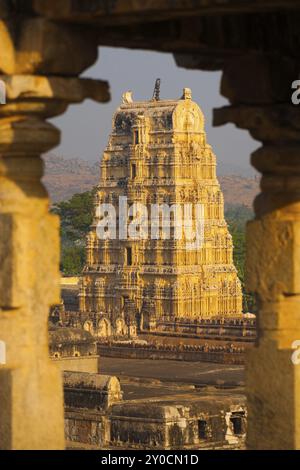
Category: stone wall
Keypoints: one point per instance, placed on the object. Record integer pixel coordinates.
(92, 421)
(214, 354)
(240, 329)
(73, 350)
(89, 364)
(86, 430)
(88, 398)
(201, 424)
(69, 294)
(91, 391)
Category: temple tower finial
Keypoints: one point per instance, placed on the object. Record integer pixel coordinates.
(156, 93)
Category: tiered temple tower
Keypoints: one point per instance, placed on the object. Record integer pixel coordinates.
(157, 154)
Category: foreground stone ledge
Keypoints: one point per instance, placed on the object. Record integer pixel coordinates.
(147, 11)
(39, 404)
(266, 77)
(274, 401)
(282, 319)
(72, 90)
(12, 250)
(278, 254)
(41, 46)
(25, 134)
(266, 123)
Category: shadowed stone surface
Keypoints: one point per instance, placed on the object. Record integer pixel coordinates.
(173, 371)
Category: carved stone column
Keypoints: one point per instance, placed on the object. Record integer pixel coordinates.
(39, 67)
(259, 88)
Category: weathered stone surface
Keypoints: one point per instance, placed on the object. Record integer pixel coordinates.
(72, 349)
(42, 46)
(175, 424)
(151, 10)
(70, 90)
(279, 159)
(4, 9)
(44, 413)
(7, 58)
(42, 97)
(46, 97)
(91, 391)
(280, 181)
(42, 109)
(23, 134)
(279, 253)
(281, 320)
(259, 87)
(167, 420)
(273, 387)
(257, 78)
(13, 231)
(278, 123)
(33, 249)
(198, 61)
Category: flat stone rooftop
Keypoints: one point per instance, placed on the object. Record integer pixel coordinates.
(145, 378)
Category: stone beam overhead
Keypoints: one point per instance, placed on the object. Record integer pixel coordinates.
(49, 96)
(39, 46)
(202, 40)
(124, 11)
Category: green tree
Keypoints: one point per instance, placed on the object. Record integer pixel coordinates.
(76, 214)
(76, 217)
(72, 260)
(237, 217)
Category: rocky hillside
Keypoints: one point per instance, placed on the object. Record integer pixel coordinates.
(65, 177)
(239, 190)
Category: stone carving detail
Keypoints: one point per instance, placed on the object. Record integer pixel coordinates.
(198, 290)
(127, 97)
(123, 123)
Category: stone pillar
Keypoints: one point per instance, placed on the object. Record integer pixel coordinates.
(31, 397)
(259, 88)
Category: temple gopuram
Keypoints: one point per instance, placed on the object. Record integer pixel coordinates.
(157, 156)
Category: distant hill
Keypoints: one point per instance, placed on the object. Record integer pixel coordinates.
(239, 190)
(65, 177)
